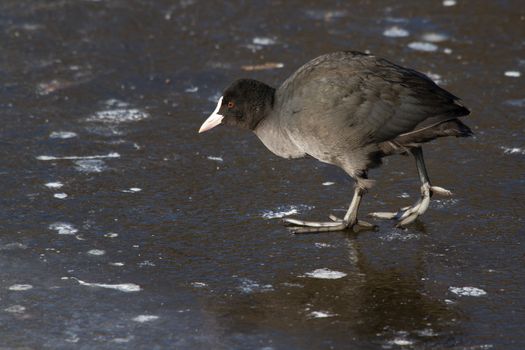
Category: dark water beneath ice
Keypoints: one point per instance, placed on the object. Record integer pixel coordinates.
(150, 236)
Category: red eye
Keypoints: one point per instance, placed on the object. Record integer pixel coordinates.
(231, 104)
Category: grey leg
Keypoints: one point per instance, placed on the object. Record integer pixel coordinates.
(349, 221)
(407, 215)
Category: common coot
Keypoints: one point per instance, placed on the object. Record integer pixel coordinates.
(348, 109)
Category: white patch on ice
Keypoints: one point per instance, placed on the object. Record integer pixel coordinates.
(112, 103)
(513, 150)
(117, 264)
(217, 159)
(97, 252)
(146, 263)
(111, 235)
(401, 342)
(321, 314)
(513, 74)
(145, 318)
(132, 190)
(250, 286)
(192, 89)
(122, 340)
(62, 134)
(328, 183)
(322, 245)
(20, 287)
(396, 32)
(447, 50)
(427, 332)
(12, 246)
(263, 41)
(199, 284)
(434, 37)
(15, 309)
(120, 115)
(516, 102)
(404, 195)
(56, 184)
(398, 236)
(325, 274)
(102, 156)
(90, 165)
(422, 46)
(61, 195)
(467, 291)
(449, 3)
(283, 211)
(63, 228)
(122, 287)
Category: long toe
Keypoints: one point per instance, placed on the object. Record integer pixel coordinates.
(311, 223)
(384, 215)
(441, 191)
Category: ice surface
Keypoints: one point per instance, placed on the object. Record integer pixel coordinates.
(145, 318)
(119, 115)
(90, 165)
(325, 273)
(396, 32)
(423, 46)
(513, 74)
(62, 134)
(321, 314)
(467, 291)
(283, 211)
(63, 228)
(20, 287)
(101, 156)
(513, 150)
(217, 159)
(97, 252)
(263, 41)
(56, 184)
(122, 287)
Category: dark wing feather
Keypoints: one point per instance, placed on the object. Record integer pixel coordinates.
(373, 97)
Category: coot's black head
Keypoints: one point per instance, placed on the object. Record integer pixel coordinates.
(244, 104)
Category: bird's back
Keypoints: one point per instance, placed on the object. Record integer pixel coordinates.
(356, 99)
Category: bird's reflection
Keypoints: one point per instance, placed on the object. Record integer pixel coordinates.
(376, 302)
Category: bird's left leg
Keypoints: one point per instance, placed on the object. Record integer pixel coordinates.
(407, 215)
(349, 221)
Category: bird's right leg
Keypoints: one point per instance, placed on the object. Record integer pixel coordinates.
(409, 214)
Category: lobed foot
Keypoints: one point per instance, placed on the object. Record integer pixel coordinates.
(409, 214)
(301, 226)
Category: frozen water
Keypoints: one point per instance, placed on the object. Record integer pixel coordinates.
(263, 41)
(467, 291)
(423, 46)
(396, 32)
(90, 165)
(63, 228)
(120, 115)
(283, 211)
(145, 318)
(434, 37)
(513, 74)
(62, 134)
(513, 150)
(20, 287)
(97, 252)
(217, 159)
(325, 274)
(56, 184)
(321, 314)
(101, 156)
(122, 287)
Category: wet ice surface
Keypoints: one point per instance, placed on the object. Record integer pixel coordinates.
(171, 239)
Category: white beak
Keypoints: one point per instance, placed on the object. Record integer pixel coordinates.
(213, 120)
